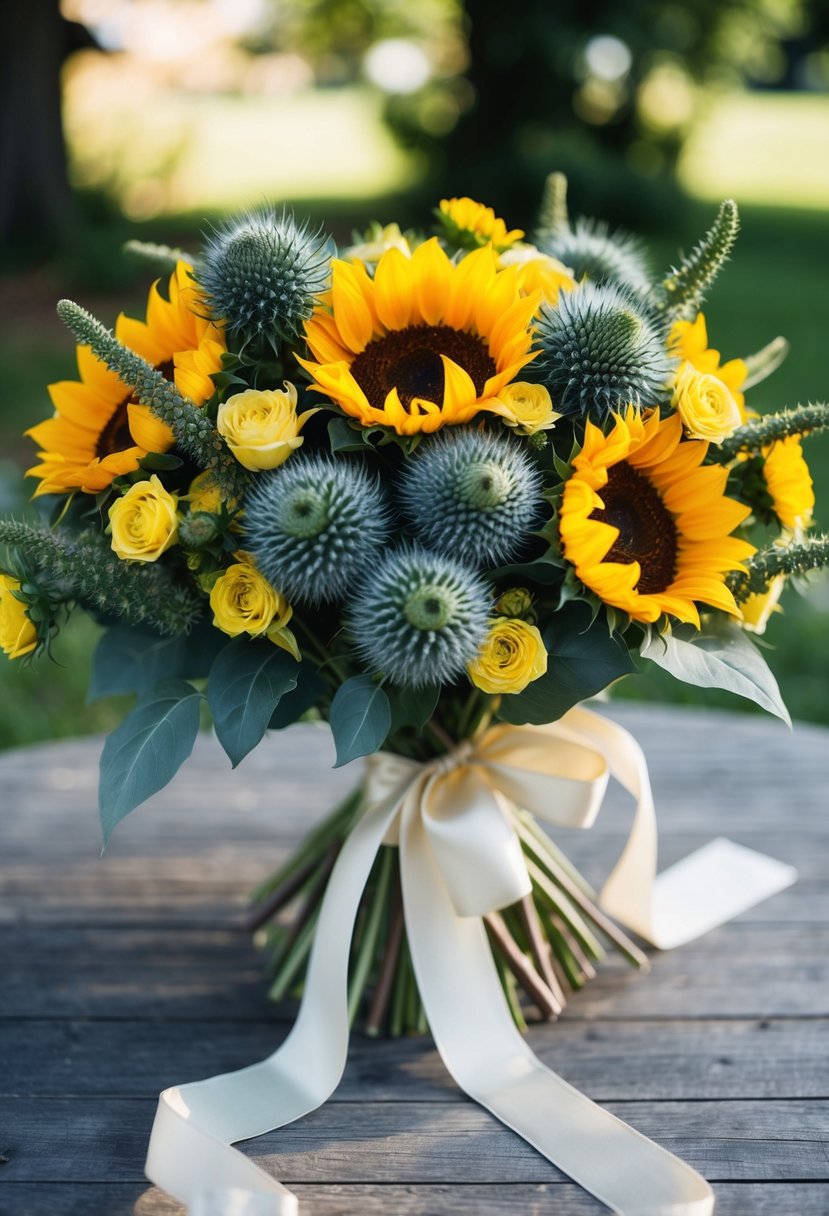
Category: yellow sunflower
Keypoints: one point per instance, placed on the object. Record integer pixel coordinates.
(471, 225)
(789, 483)
(99, 431)
(689, 341)
(646, 526)
(425, 342)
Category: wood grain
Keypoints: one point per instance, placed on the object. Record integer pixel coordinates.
(124, 974)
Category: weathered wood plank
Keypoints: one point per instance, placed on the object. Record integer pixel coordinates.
(727, 1093)
(646, 1060)
(81, 1140)
(744, 970)
(525, 1199)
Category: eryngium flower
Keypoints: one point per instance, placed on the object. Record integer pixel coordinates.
(594, 253)
(600, 351)
(262, 274)
(472, 495)
(419, 618)
(313, 525)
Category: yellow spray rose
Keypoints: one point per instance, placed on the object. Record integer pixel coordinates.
(144, 522)
(243, 601)
(512, 656)
(706, 406)
(527, 407)
(18, 634)
(261, 426)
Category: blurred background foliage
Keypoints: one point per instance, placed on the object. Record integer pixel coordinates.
(153, 118)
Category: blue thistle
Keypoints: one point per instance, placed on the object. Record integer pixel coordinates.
(261, 274)
(313, 525)
(593, 252)
(472, 495)
(419, 618)
(600, 350)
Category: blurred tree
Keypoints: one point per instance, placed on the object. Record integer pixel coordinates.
(37, 208)
(603, 91)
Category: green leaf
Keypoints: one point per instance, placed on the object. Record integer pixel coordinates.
(246, 683)
(147, 750)
(583, 657)
(412, 706)
(135, 660)
(546, 570)
(722, 656)
(130, 660)
(343, 437)
(160, 462)
(360, 718)
(293, 704)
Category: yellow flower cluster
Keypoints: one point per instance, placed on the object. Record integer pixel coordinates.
(18, 633)
(477, 224)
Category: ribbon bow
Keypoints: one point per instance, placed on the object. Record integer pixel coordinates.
(460, 859)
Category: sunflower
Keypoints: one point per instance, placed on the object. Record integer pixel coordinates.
(425, 342)
(646, 526)
(469, 225)
(99, 431)
(789, 483)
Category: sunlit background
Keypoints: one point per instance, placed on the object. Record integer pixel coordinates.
(152, 118)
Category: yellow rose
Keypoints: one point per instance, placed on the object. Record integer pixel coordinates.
(144, 522)
(18, 633)
(512, 656)
(757, 609)
(528, 407)
(261, 426)
(243, 601)
(705, 405)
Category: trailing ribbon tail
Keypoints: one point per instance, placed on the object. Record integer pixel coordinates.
(459, 860)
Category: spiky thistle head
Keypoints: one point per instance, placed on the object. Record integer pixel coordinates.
(600, 350)
(419, 618)
(595, 253)
(472, 495)
(313, 525)
(261, 274)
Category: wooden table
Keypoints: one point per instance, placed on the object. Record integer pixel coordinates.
(126, 974)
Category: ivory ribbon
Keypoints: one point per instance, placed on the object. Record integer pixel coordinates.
(460, 859)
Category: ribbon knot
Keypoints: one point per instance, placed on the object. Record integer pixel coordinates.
(453, 759)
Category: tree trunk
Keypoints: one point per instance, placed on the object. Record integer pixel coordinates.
(37, 208)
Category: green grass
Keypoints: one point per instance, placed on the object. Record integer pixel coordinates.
(776, 283)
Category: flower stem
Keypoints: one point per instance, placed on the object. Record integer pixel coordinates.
(368, 941)
(385, 980)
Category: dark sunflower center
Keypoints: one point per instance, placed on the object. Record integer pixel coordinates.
(115, 434)
(647, 533)
(409, 360)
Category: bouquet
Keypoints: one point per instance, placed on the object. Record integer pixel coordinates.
(428, 489)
